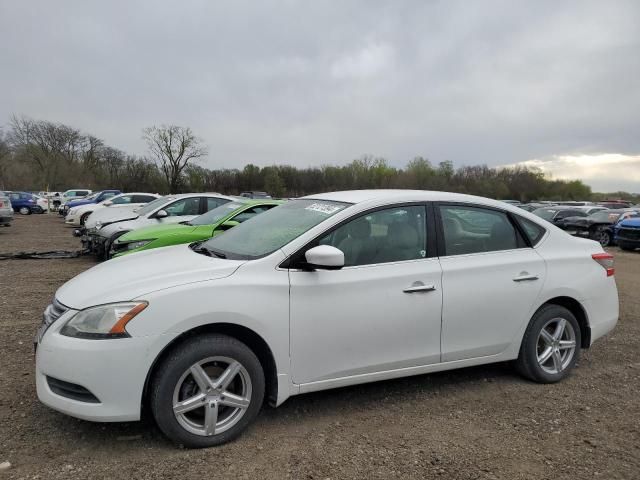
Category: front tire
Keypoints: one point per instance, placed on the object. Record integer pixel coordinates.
(550, 346)
(84, 217)
(24, 211)
(207, 391)
(603, 237)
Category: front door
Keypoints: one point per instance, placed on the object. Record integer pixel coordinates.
(382, 311)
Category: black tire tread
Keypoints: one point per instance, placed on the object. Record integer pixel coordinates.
(213, 343)
(525, 364)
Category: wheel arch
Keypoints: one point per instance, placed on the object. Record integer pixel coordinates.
(578, 311)
(249, 337)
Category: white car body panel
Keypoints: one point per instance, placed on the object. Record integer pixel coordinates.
(400, 329)
(324, 329)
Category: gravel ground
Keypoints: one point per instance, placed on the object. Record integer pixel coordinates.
(477, 423)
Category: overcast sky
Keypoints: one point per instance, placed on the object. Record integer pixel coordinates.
(554, 84)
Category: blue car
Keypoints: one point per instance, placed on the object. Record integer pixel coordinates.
(26, 203)
(95, 197)
(628, 234)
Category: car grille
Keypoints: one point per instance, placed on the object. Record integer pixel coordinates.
(53, 312)
(629, 233)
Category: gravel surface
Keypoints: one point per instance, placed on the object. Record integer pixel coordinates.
(476, 423)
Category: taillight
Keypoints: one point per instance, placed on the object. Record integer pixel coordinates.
(606, 261)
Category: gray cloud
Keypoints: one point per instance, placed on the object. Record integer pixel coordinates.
(307, 83)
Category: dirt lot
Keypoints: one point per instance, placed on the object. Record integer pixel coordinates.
(479, 423)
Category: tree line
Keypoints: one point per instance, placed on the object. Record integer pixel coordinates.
(37, 154)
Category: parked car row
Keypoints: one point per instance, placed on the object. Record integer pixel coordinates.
(6, 210)
(595, 223)
(262, 300)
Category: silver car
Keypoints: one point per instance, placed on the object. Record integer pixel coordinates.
(6, 210)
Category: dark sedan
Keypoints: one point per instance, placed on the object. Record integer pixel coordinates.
(599, 226)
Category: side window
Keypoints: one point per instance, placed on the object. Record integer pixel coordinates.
(251, 212)
(142, 199)
(122, 200)
(185, 206)
(390, 235)
(534, 231)
(476, 230)
(213, 202)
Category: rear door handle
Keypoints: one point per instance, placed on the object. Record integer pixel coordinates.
(525, 277)
(419, 287)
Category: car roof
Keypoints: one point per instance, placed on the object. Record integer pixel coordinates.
(360, 196)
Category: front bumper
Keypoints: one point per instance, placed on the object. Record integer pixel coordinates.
(113, 371)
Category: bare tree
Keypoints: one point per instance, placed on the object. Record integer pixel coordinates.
(173, 148)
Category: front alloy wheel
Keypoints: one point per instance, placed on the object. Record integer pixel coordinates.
(603, 237)
(207, 390)
(212, 396)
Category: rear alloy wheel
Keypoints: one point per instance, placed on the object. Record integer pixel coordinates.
(551, 345)
(207, 391)
(24, 211)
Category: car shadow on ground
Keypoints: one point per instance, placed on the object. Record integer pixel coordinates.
(345, 400)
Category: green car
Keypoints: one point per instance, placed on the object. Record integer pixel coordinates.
(212, 223)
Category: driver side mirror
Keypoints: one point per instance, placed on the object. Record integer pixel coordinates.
(228, 224)
(107, 203)
(161, 214)
(325, 257)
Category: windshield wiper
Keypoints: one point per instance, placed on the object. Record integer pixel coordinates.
(198, 247)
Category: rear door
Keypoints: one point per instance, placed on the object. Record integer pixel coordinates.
(491, 278)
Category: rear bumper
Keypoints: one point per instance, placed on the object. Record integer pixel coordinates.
(603, 311)
(4, 218)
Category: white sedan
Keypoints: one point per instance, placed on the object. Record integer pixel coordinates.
(324, 291)
(77, 216)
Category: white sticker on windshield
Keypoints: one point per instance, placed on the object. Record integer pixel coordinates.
(325, 208)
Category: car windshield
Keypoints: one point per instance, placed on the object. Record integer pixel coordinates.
(217, 214)
(92, 196)
(546, 213)
(269, 231)
(150, 207)
(604, 216)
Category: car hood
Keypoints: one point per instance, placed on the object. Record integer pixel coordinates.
(133, 276)
(110, 215)
(157, 231)
(586, 222)
(630, 222)
(78, 203)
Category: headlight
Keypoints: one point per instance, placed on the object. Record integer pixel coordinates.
(98, 225)
(104, 321)
(138, 244)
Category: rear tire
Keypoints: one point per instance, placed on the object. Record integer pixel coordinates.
(627, 247)
(179, 384)
(551, 345)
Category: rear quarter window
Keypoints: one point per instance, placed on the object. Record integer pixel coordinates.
(533, 231)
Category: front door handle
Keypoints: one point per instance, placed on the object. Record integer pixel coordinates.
(525, 277)
(419, 287)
